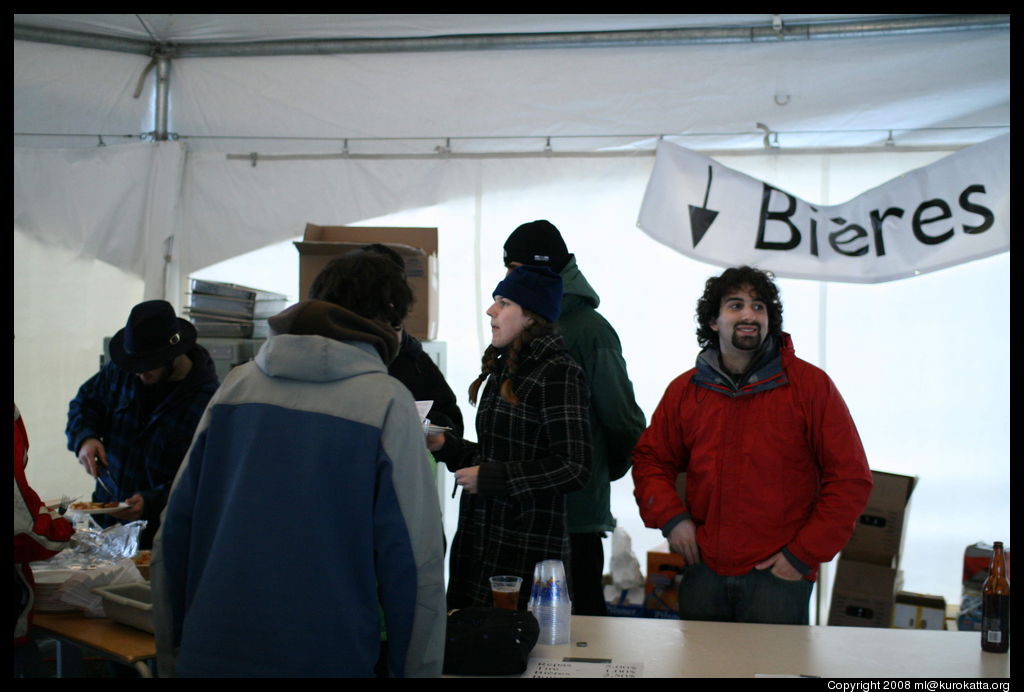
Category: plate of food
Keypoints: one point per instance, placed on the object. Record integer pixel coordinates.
(97, 507)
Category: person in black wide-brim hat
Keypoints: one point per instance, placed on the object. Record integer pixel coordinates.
(131, 424)
(153, 337)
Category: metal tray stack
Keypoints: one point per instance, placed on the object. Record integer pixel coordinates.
(226, 310)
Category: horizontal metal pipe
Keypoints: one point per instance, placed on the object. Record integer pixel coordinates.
(596, 39)
(79, 39)
(254, 159)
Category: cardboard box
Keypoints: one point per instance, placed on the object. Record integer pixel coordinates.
(863, 594)
(417, 246)
(878, 536)
(661, 590)
(917, 611)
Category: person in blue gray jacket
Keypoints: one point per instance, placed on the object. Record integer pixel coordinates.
(305, 507)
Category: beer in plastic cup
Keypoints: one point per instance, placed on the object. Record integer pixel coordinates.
(505, 591)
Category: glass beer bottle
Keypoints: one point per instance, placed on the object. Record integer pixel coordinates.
(995, 605)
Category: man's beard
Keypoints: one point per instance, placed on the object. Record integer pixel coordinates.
(747, 342)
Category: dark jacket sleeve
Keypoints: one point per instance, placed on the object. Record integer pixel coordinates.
(616, 412)
(88, 411)
(445, 411)
(457, 453)
(419, 373)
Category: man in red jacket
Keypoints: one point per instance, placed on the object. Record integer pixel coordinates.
(776, 474)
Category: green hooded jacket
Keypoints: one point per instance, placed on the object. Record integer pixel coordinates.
(616, 421)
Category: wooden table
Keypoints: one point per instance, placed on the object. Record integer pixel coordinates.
(672, 648)
(120, 643)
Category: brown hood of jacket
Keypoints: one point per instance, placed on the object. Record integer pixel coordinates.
(321, 318)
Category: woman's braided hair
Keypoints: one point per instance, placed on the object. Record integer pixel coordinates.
(489, 363)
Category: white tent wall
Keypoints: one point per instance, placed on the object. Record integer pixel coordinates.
(64, 304)
(930, 399)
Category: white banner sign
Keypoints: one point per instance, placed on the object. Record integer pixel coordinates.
(952, 211)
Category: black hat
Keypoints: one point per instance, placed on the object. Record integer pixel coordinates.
(538, 289)
(539, 243)
(153, 337)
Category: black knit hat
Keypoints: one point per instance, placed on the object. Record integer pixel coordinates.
(152, 338)
(539, 243)
(538, 289)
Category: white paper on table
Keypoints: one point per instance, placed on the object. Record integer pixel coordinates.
(575, 668)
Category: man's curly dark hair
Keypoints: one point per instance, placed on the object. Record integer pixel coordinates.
(717, 287)
(368, 284)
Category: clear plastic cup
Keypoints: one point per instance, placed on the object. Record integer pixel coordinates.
(505, 591)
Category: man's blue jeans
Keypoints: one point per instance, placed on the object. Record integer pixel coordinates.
(758, 596)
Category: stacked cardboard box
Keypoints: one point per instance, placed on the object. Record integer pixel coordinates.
(867, 572)
(915, 611)
(416, 246)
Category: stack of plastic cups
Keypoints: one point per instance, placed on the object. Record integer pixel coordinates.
(535, 590)
(549, 602)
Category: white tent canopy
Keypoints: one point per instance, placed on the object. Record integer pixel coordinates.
(843, 92)
(475, 123)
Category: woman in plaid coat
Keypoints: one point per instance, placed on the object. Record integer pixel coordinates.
(534, 444)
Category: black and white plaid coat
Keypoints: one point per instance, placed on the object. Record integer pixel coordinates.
(530, 455)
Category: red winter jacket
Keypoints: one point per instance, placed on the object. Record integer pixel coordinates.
(38, 534)
(775, 464)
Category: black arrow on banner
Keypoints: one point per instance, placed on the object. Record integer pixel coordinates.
(701, 218)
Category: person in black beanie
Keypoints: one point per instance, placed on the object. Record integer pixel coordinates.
(537, 243)
(533, 444)
(616, 422)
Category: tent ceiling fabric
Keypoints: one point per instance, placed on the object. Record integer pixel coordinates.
(842, 93)
(606, 100)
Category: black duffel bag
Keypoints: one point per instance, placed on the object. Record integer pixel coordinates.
(489, 641)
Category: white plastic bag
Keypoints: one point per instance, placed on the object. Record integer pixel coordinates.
(626, 572)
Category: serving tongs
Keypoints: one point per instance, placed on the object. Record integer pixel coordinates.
(99, 480)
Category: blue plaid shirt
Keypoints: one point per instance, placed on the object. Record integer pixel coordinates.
(144, 451)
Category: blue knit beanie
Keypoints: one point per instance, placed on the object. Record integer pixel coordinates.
(537, 289)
